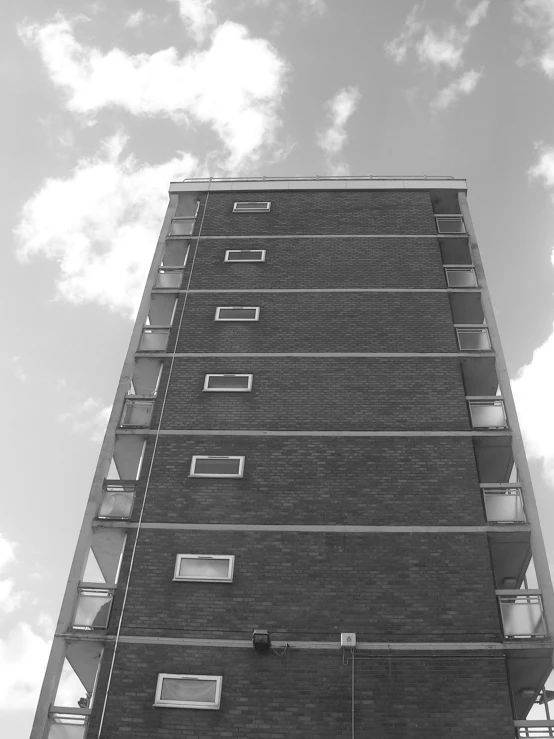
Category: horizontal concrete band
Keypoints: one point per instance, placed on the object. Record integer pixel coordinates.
(385, 647)
(171, 290)
(309, 528)
(315, 183)
(337, 355)
(255, 432)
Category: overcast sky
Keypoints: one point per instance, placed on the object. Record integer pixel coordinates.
(105, 102)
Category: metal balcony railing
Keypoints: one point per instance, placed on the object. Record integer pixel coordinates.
(534, 729)
(503, 503)
(118, 498)
(67, 723)
(522, 614)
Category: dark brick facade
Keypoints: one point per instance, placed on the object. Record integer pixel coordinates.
(339, 263)
(308, 694)
(299, 393)
(319, 322)
(391, 481)
(303, 585)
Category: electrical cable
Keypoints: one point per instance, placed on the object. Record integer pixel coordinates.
(147, 486)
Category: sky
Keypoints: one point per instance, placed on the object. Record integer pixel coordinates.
(106, 102)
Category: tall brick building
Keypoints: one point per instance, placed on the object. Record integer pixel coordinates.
(312, 515)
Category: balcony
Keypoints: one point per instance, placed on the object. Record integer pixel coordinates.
(94, 604)
(169, 279)
(118, 499)
(154, 339)
(534, 729)
(67, 723)
(503, 503)
(137, 412)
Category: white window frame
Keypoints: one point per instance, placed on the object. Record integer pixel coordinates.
(460, 268)
(208, 389)
(192, 473)
(229, 252)
(218, 679)
(457, 216)
(229, 557)
(237, 307)
(246, 209)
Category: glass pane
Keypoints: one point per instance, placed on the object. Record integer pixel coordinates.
(66, 731)
(522, 617)
(116, 503)
(474, 339)
(228, 382)
(453, 225)
(186, 689)
(137, 413)
(169, 279)
(239, 256)
(215, 466)
(238, 314)
(204, 569)
(488, 415)
(461, 277)
(154, 341)
(93, 611)
(182, 228)
(504, 507)
(251, 205)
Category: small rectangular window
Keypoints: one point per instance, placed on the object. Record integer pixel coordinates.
(473, 339)
(228, 383)
(245, 255)
(249, 206)
(237, 313)
(204, 567)
(188, 691)
(202, 466)
(450, 224)
(460, 277)
(487, 414)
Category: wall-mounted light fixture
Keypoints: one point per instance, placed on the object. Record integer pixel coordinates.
(261, 640)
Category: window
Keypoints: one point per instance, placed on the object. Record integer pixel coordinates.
(248, 206)
(245, 255)
(137, 413)
(228, 383)
(460, 277)
(204, 567)
(216, 466)
(487, 414)
(237, 313)
(450, 224)
(188, 691)
(473, 339)
(154, 340)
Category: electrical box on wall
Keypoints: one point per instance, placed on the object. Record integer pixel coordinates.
(348, 640)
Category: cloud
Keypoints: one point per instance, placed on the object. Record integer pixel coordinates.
(101, 224)
(436, 47)
(10, 597)
(90, 418)
(538, 15)
(23, 656)
(533, 387)
(234, 87)
(17, 369)
(463, 85)
(198, 16)
(136, 19)
(333, 138)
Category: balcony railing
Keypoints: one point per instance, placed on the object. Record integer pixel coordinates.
(94, 604)
(534, 729)
(137, 412)
(522, 614)
(67, 724)
(504, 504)
(118, 499)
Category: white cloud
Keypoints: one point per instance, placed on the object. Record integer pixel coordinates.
(463, 85)
(89, 417)
(101, 225)
(10, 597)
(136, 19)
(333, 138)
(437, 45)
(544, 168)
(538, 15)
(17, 369)
(198, 16)
(23, 656)
(235, 86)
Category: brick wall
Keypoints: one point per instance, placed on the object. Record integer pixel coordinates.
(298, 393)
(317, 480)
(319, 322)
(313, 585)
(307, 695)
(331, 212)
(302, 263)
